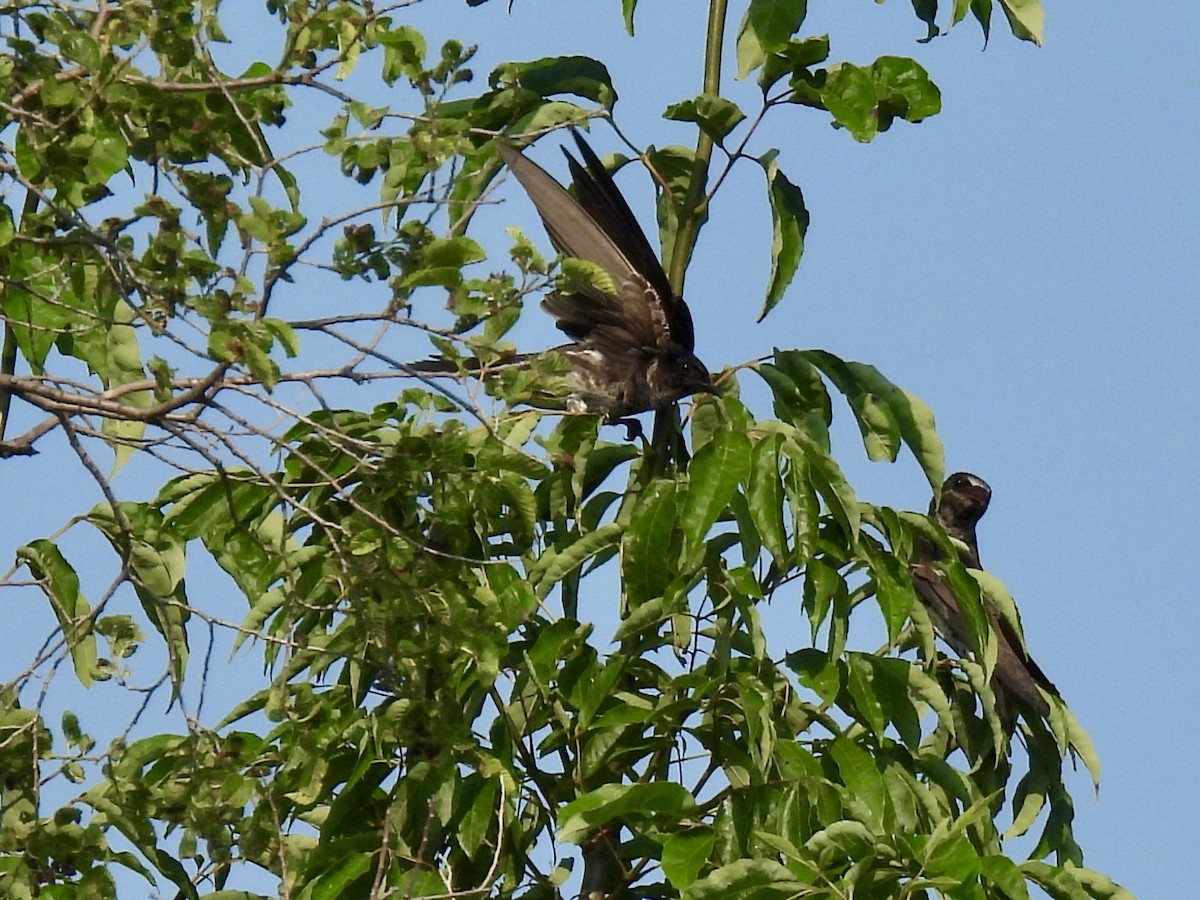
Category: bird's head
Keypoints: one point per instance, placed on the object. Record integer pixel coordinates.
(693, 376)
(965, 499)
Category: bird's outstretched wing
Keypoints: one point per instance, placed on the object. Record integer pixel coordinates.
(600, 227)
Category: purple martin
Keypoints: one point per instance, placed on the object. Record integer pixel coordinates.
(1016, 678)
(632, 347)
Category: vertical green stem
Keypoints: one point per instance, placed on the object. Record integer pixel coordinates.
(667, 441)
(691, 211)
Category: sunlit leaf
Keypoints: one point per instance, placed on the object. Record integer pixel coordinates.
(47, 564)
(765, 496)
(713, 475)
(745, 879)
(553, 566)
(615, 801)
(684, 854)
(647, 548)
(862, 779)
(766, 28)
(1026, 18)
(716, 116)
(789, 225)
(578, 75)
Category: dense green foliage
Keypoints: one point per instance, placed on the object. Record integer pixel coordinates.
(422, 573)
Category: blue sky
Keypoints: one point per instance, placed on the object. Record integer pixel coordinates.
(1027, 263)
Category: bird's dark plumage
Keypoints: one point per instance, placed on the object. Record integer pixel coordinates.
(633, 348)
(1016, 678)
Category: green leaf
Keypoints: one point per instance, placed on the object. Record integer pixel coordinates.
(477, 821)
(827, 477)
(766, 28)
(453, 252)
(789, 225)
(816, 671)
(107, 155)
(35, 322)
(578, 75)
(868, 794)
(404, 51)
(1081, 744)
(885, 688)
(1004, 874)
(1028, 801)
(554, 564)
(800, 394)
(794, 59)
(746, 879)
(982, 10)
(684, 855)
(1026, 18)
(849, 95)
(642, 615)
(61, 584)
(284, 333)
(926, 11)
(905, 90)
(139, 831)
(923, 687)
(839, 840)
(893, 589)
(996, 594)
(863, 687)
(954, 858)
(634, 802)
(822, 584)
(970, 602)
(715, 115)
(627, 9)
(158, 561)
(337, 881)
(867, 101)
(124, 366)
(649, 549)
(581, 275)
(1097, 885)
(765, 496)
(714, 473)
(885, 413)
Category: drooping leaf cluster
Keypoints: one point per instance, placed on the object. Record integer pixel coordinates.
(488, 634)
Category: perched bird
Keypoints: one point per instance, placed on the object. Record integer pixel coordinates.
(632, 347)
(1016, 677)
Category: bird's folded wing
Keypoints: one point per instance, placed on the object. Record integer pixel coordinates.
(1016, 674)
(937, 597)
(1011, 638)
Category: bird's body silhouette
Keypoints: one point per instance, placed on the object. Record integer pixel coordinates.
(632, 346)
(1016, 678)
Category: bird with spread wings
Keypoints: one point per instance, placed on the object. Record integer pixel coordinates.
(632, 342)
